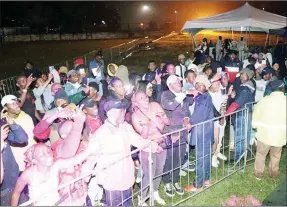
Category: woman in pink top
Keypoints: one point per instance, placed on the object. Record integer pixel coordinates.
(42, 175)
(149, 120)
(115, 167)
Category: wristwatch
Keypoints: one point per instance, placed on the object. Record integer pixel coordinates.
(25, 90)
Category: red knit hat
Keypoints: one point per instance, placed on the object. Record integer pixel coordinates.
(79, 61)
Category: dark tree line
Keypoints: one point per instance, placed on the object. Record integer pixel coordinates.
(65, 17)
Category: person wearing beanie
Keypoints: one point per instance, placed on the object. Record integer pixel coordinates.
(77, 62)
(243, 97)
(265, 78)
(116, 136)
(202, 136)
(176, 105)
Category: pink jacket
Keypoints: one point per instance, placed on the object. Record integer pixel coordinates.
(115, 168)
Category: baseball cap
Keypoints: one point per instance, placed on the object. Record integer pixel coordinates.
(181, 56)
(172, 79)
(150, 76)
(248, 72)
(266, 71)
(72, 72)
(276, 84)
(88, 103)
(63, 69)
(115, 104)
(8, 99)
(202, 79)
(79, 61)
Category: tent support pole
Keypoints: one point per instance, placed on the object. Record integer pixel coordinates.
(194, 43)
(266, 39)
(248, 38)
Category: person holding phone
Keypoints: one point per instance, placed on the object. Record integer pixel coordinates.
(96, 67)
(11, 133)
(29, 70)
(43, 93)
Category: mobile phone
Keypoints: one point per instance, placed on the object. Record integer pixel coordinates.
(158, 71)
(3, 121)
(263, 62)
(52, 67)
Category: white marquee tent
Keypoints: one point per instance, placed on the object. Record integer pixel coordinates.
(245, 18)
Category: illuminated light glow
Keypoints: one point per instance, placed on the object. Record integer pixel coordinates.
(145, 8)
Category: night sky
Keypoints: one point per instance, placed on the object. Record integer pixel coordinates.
(72, 15)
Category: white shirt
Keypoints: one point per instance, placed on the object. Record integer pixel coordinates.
(260, 88)
(218, 45)
(180, 70)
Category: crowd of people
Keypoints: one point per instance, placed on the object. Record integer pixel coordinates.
(62, 125)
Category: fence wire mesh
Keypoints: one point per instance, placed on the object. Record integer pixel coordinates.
(179, 166)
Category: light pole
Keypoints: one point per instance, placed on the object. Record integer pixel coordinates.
(175, 20)
(142, 27)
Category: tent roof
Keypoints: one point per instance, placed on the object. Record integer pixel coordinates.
(241, 19)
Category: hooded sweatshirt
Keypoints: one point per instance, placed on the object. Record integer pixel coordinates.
(123, 74)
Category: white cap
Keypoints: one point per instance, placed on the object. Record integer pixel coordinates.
(8, 99)
(172, 79)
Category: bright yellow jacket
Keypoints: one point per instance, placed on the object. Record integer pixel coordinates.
(269, 118)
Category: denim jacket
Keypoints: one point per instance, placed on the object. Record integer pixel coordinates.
(11, 169)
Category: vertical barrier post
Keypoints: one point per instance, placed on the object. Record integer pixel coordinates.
(246, 136)
(151, 201)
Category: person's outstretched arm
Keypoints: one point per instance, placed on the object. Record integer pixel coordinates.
(22, 181)
(72, 142)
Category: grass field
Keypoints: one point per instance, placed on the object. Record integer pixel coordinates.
(45, 53)
(241, 183)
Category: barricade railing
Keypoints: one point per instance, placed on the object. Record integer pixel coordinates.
(171, 171)
(113, 54)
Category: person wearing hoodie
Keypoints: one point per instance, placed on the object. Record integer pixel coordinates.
(72, 86)
(123, 74)
(117, 92)
(245, 96)
(176, 105)
(112, 142)
(112, 71)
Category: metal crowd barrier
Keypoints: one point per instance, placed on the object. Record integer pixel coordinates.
(238, 121)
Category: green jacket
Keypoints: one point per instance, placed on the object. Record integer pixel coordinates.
(76, 98)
